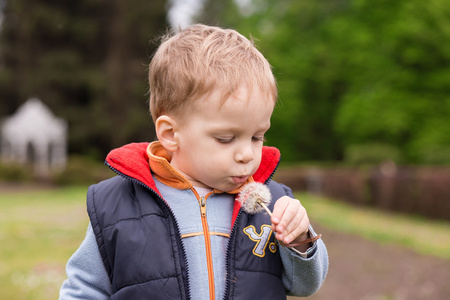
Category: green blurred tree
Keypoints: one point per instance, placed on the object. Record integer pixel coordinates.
(223, 13)
(291, 41)
(87, 60)
(355, 72)
(399, 93)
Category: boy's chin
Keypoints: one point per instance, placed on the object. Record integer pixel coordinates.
(232, 188)
(225, 186)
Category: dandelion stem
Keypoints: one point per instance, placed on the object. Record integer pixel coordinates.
(264, 206)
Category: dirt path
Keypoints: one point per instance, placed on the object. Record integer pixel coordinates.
(365, 270)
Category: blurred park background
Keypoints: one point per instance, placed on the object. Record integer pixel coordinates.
(363, 124)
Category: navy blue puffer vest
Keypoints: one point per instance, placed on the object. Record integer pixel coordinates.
(143, 254)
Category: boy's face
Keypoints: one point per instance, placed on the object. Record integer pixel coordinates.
(220, 146)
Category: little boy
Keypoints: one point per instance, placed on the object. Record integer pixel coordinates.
(169, 227)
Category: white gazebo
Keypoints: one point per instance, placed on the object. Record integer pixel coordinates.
(33, 136)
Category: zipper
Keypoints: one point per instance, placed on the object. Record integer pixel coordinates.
(203, 207)
(227, 257)
(177, 228)
(202, 203)
(207, 237)
(233, 233)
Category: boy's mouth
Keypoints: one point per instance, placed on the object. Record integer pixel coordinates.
(239, 179)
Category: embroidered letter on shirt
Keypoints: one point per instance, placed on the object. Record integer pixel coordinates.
(261, 239)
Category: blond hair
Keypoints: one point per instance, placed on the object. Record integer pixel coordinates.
(200, 59)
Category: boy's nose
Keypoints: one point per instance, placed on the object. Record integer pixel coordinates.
(244, 154)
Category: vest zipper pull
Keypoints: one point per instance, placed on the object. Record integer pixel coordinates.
(203, 206)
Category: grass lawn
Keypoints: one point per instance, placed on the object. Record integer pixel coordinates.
(40, 230)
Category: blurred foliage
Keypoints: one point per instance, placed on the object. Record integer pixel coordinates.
(81, 171)
(14, 173)
(350, 72)
(371, 154)
(354, 72)
(87, 60)
(437, 155)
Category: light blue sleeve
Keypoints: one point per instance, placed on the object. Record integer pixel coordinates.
(86, 275)
(304, 276)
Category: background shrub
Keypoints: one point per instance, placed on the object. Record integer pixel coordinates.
(81, 170)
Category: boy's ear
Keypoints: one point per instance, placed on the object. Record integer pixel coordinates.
(166, 127)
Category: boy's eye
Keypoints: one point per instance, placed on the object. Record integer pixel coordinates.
(259, 138)
(224, 140)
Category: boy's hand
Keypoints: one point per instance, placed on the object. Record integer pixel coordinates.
(290, 222)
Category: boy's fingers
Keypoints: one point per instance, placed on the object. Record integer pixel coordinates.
(292, 233)
(285, 212)
(279, 208)
(296, 221)
(289, 219)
